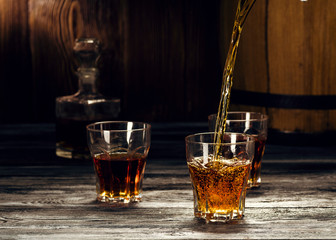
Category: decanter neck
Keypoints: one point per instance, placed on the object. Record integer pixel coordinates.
(87, 54)
(87, 80)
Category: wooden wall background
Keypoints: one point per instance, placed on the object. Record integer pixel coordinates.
(164, 59)
(161, 58)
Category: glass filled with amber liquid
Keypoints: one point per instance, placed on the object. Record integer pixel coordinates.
(119, 150)
(254, 124)
(219, 183)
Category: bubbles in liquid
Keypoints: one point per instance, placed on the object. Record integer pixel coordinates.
(218, 165)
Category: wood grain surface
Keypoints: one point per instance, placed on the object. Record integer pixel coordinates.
(43, 197)
(58, 202)
(288, 48)
(164, 59)
(161, 58)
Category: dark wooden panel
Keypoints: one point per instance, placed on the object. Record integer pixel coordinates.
(162, 58)
(172, 59)
(50, 41)
(105, 20)
(54, 27)
(15, 65)
(37, 63)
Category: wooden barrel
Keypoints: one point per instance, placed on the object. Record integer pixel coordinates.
(286, 65)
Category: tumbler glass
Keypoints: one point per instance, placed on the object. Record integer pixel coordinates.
(119, 151)
(219, 183)
(251, 123)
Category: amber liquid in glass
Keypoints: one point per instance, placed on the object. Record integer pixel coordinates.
(119, 177)
(254, 179)
(218, 186)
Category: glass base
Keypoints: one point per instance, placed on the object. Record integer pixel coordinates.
(217, 217)
(119, 200)
(253, 183)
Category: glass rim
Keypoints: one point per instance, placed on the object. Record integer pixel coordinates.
(251, 139)
(89, 128)
(263, 117)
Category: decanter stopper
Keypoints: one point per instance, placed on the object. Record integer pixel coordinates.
(87, 52)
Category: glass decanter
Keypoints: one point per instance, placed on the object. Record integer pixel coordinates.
(86, 106)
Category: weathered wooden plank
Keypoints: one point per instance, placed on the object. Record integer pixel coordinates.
(59, 203)
(44, 198)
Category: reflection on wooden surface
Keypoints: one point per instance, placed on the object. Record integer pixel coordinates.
(45, 197)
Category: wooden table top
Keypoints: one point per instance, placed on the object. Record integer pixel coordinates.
(44, 197)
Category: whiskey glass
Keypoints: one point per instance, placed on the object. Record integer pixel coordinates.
(219, 183)
(251, 123)
(119, 150)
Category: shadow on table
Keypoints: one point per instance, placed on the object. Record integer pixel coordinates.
(235, 226)
(106, 207)
(258, 192)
